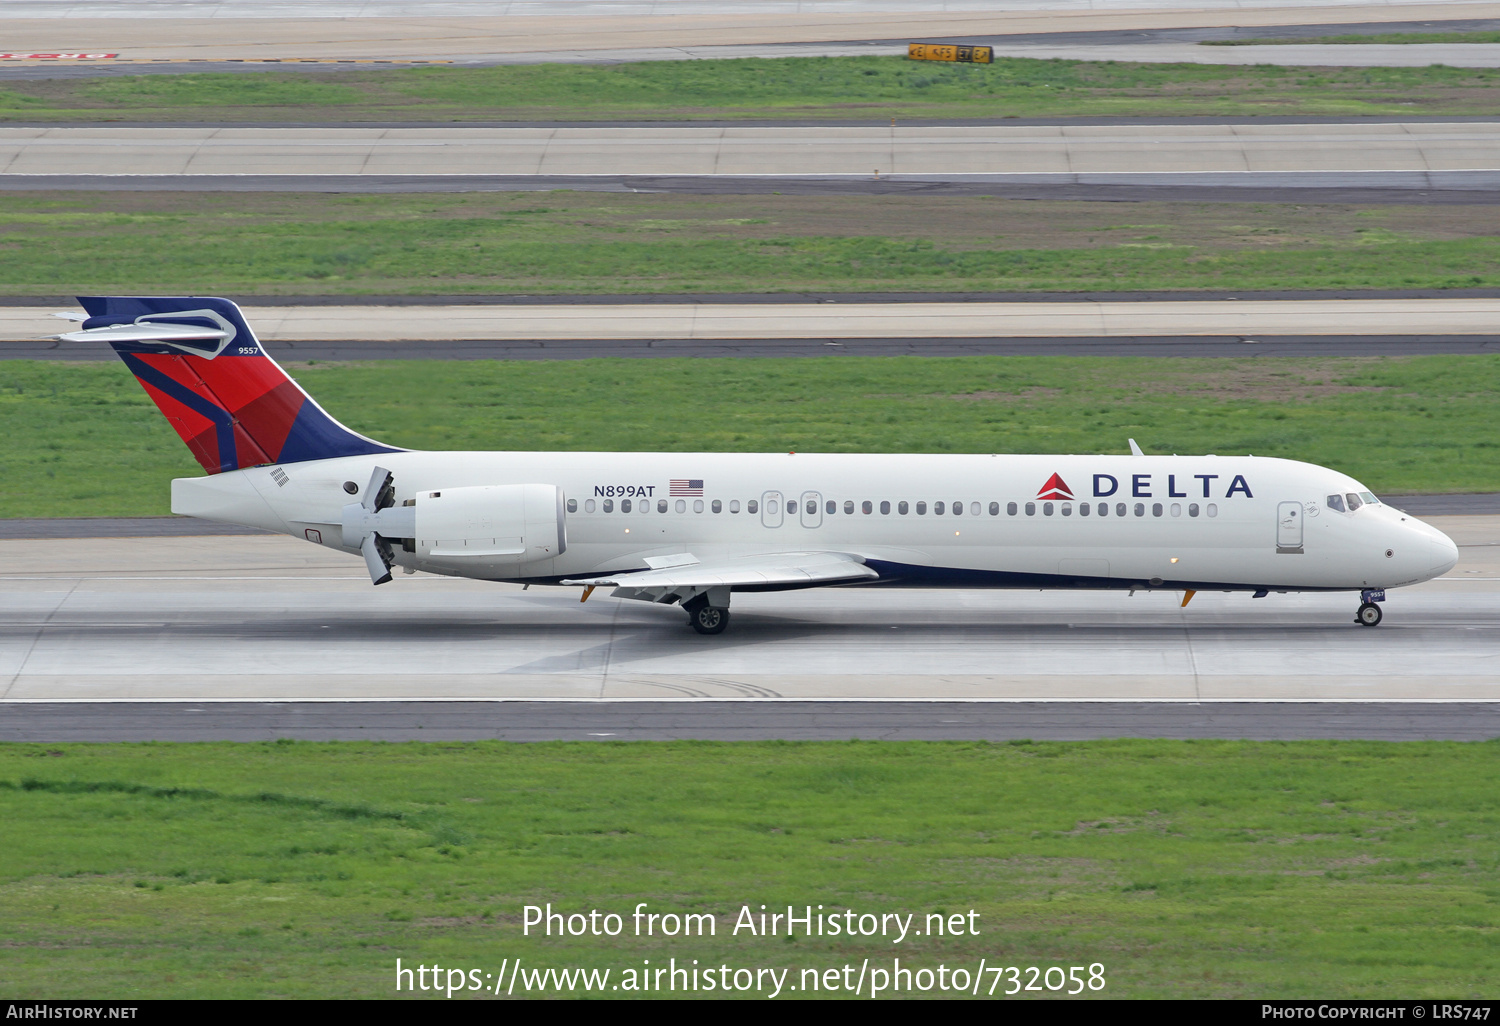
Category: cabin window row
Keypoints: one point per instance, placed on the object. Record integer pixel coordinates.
(903, 508)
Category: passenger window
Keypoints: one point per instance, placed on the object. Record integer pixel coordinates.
(572, 505)
(661, 505)
(1192, 509)
(734, 506)
(625, 505)
(885, 508)
(588, 505)
(1083, 509)
(681, 505)
(973, 509)
(1031, 509)
(865, 507)
(716, 506)
(1354, 502)
(1119, 509)
(994, 509)
(812, 505)
(1010, 509)
(1336, 503)
(609, 505)
(1213, 509)
(958, 509)
(1104, 509)
(697, 505)
(1156, 509)
(644, 506)
(848, 505)
(1140, 509)
(1046, 509)
(1067, 509)
(831, 506)
(902, 507)
(752, 506)
(1177, 509)
(937, 509)
(921, 509)
(772, 506)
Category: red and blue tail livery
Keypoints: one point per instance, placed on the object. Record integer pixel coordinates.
(204, 368)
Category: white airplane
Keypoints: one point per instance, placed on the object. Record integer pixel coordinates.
(693, 528)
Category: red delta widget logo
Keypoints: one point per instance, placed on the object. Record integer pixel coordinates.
(1143, 487)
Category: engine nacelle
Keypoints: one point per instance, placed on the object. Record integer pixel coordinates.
(500, 525)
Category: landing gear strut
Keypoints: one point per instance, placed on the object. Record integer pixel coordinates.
(704, 618)
(1369, 614)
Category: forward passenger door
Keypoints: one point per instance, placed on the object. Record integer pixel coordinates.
(1289, 527)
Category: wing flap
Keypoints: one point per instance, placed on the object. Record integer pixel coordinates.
(789, 568)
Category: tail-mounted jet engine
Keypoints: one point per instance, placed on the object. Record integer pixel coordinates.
(491, 528)
(487, 528)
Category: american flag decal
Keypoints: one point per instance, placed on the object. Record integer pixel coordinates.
(689, 487)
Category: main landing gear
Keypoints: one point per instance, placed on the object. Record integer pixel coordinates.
(1369, 614)
(704, 618)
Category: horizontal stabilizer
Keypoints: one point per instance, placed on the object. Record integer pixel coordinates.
(145, 332)
(777, 568)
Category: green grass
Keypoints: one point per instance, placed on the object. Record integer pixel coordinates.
(1379, 37)
(84, 440)
(822, 87)
(573, 242)
(1207, 869)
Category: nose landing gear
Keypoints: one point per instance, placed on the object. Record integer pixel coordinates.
(1369, 614)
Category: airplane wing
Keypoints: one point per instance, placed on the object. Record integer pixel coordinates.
(784, 568)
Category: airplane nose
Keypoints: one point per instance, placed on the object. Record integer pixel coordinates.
(1444, 553)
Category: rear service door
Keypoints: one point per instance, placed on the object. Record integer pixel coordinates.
(1289, 527)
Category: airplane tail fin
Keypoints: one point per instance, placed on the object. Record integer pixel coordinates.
(204, 368)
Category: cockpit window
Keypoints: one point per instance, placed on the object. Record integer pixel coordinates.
(1336, 502)
(1354, 502)
(1369, 498)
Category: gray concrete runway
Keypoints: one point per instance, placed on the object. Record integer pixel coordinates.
(1370, 187)
(1184, 346)
(836, 323)
(466, 30)
(269, 619)
(743, 721)
(1057, 154)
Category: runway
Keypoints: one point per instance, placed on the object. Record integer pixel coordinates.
(744, 721)
(1180, 346)
(269, 619)
(847, 324)
(936, 153)
(1366, 187)
(258, 29)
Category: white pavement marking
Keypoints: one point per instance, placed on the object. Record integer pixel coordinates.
(315, 635)
(1087, 319)
(941, 151)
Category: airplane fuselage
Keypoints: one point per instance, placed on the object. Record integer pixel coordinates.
(1184, 522)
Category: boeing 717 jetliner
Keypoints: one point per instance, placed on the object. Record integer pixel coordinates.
(693, 528)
